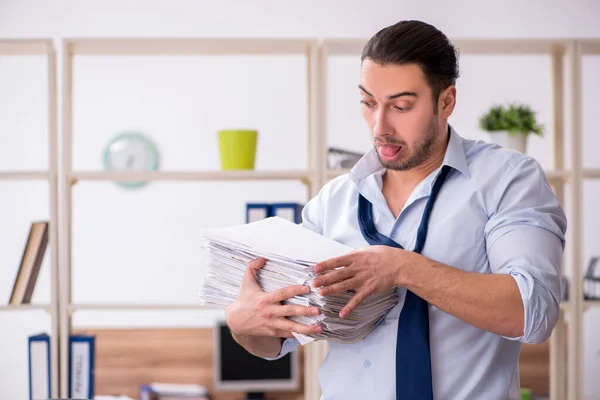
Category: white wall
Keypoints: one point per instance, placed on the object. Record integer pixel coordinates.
(141, 245)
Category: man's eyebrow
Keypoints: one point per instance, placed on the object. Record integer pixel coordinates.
(364, 90)
(392, 97)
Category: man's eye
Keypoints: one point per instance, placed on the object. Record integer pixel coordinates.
(367, 103)
(402, 109)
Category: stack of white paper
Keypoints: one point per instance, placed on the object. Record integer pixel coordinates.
(291, 252)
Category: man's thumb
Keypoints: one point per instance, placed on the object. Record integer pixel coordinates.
(251, 270)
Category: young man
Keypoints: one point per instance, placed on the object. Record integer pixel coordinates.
(470, 235)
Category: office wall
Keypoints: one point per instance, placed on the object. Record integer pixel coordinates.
(141, 245)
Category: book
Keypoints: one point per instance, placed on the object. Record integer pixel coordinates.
(31, 262)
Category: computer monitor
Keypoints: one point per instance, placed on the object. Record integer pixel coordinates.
(238, 370)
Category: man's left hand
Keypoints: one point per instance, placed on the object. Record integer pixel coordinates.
(374, 269)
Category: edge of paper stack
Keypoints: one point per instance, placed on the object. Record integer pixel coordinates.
(291, 252)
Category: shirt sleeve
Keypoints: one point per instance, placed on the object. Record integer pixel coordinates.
(312, 214)
(525, 238)
(311, 220)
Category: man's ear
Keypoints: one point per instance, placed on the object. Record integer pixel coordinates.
(447, 101)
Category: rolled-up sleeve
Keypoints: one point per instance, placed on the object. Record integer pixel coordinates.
(525, 238)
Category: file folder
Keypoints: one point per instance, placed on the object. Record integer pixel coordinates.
(40, 384)
(81, 366)
(290, 211)
(257, 211)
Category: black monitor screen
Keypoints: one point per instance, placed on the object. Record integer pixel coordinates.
(237, 364)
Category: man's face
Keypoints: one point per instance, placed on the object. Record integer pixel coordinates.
(398, 108)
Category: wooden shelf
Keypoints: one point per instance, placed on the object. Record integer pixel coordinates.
(590, 46)
(512, 46)
(593, 173)
(239, 175)
(337, 172)
(220, 175)
(550, 174)
(587, 304)
(22, 307)
(556, 176)
(181, 46)
(23, 175)
(139, 306)
(20, 47)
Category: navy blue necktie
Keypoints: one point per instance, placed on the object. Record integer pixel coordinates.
(413, 359)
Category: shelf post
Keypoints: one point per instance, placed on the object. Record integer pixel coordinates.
(53, 229)
(575, 337)
(317, 151)
(558, 361)
(315, 352)
(65, 216)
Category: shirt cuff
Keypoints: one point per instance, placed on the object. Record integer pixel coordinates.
(538, 315)
(288, 346)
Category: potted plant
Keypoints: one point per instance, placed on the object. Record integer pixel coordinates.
(510, 125)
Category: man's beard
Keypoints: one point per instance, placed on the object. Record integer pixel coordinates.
(423, 149)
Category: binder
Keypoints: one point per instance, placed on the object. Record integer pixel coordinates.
(40, 383)
(257, 211)
(146, 393)
(81, 366)
(290, 211)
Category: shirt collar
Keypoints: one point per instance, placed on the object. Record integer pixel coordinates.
(455, 157)
(455, 153)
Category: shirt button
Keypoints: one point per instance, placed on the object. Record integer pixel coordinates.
(367, 364)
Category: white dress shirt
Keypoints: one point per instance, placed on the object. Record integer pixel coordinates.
(496, 213)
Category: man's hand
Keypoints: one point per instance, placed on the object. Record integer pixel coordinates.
(259, 313)
(374, 269)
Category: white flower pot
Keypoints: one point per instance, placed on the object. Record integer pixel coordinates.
(515, 141)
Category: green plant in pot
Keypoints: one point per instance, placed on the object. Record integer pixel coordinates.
(510, 125)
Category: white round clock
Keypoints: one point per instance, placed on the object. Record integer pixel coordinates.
(131, 152)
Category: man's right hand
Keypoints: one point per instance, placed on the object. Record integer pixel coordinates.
(259, 313)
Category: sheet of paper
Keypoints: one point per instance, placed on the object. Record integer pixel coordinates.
(281, 238)
(303, 339)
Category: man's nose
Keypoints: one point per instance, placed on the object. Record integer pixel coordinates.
(381, 126)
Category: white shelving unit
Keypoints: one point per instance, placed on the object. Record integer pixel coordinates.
(313, 176)
(43, 47)
(566, 366)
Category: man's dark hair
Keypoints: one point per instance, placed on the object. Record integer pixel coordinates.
(416, 42)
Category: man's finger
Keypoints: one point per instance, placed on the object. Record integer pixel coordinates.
(335, 262)
(352, 304)
(340, 287)
(285, 293)
(333, 277)
(290, 310)
(284, 334)
(252, 269)
(291, 326)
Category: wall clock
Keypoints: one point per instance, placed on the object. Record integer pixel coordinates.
(131, 152)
